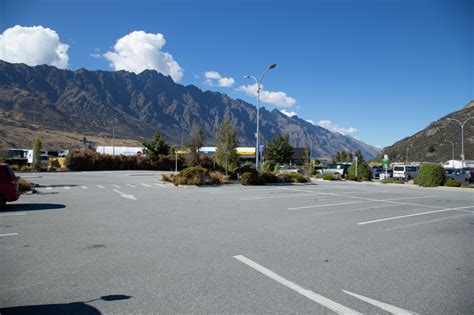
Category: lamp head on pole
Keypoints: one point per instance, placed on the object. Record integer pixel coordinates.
(273, 66)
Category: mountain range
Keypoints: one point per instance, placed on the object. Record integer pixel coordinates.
(89, 103)
(432, 144)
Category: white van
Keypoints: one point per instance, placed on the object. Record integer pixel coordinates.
(406, 172)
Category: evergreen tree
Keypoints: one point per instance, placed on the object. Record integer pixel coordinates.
(279, 150)
(227, 142)
(35, 165)
(195, 143)
(156, 146)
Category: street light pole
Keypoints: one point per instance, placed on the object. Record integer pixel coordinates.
(452, 151)
(259, 83)
(462, 137)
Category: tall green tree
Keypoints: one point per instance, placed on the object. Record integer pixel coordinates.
(35, 165)
(342, 156)
(156, 146)
(227, 142)
(196, 142)
(279, 150)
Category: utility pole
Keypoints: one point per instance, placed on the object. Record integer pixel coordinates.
(113, 140)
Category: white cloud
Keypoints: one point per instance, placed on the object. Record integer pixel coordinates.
(311, 121)
(95, 56)
(329, 125)
(275, 98)
(288, 113)
(212, 75)
(35, 45)
(214, 78)
(139, 51)
(226, 82)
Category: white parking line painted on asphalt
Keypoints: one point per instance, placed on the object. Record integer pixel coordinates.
(353, 210)
(429, 221)
(9, 234)
(12, 214)
(321, 300)
(161, 185)
(275, 197)
(131, 185)
(100, 186)
(116, 186)
(145, 185)
(84, 187)
(413, 215)
(327, 205)
(67, 187)
(406, 198)
(368, 199)
(386, 307)
(49, 188)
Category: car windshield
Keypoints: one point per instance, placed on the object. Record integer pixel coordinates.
(10, 173)
(399, 168)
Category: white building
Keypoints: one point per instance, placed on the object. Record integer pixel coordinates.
(458, 164)
(119, 150)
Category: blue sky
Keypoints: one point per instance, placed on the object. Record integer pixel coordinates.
(378, 70)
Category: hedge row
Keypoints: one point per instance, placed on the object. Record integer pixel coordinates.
(93, 161)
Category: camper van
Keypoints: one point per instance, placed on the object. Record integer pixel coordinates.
(405, 172)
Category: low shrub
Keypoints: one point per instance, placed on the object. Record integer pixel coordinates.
(327, 177)
(195, 175)
(430, 175)
(392, 181)
(245, 169)
(219, 177)
(24, 184)
(269, 177)
(267, 166)
(285, 178)
(166, 178)
(452, 183)
(298, 178)
(18, 161)
(363, 172)
(251, 178)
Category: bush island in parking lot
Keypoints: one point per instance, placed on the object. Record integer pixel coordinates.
(430, 175)
(270, 177)
(195, 175)
(298, 178)
(251, 178)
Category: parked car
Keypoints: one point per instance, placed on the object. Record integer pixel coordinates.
(376, 171)
(338, 168)
(287, 169)
(406, 172)
(462, 176)
(9, 187)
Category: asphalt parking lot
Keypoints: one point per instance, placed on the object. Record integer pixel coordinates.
(125, 242)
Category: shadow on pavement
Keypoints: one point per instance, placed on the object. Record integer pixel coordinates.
(67, 308)
(32, 207)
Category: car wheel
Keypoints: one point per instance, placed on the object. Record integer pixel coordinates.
(3, 202)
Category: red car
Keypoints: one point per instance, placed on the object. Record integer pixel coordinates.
(9, 188)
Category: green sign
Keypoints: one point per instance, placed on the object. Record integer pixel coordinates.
(385, 163)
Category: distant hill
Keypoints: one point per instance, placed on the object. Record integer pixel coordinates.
(430, 144)
(89, 103)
